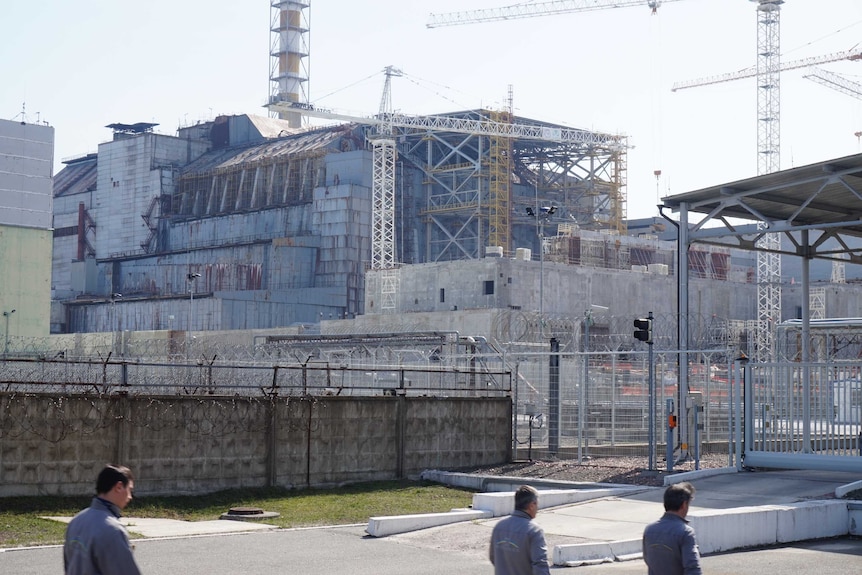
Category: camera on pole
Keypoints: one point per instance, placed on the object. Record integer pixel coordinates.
(644, 329)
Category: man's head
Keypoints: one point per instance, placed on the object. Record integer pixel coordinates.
(115, 483)
(677, 498)
(527, 500)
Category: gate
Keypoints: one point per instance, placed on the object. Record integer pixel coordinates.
(803, 415)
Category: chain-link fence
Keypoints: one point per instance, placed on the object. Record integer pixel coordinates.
(590, 399)
(313, 378)
(604, 404)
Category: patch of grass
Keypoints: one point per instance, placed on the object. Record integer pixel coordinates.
(20, 524)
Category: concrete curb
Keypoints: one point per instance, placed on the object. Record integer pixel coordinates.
(698, 474)
(486, 483)
(503, 503)
(728, 529)
(579, 554)
(390, 525)
(845, 489)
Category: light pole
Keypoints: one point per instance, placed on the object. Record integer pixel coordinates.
(543, 215)
(115, 323)
(6, 314)
(192, 277)
(583, 400)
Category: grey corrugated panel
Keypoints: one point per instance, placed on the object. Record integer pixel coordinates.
(270, 151)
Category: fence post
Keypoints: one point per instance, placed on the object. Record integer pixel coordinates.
(554, 397)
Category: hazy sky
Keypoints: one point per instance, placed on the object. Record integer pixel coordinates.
(82, 64)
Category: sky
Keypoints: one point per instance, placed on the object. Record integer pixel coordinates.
(82, 65)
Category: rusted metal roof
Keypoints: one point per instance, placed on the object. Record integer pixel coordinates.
(294, 145)
(77, 177)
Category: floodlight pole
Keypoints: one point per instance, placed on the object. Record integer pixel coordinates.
(6, 314)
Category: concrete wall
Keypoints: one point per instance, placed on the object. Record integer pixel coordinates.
(563, 290)
(56, 445)
(26, 167)
(25, 281)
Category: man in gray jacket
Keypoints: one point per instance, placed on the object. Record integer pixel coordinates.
(96, 542)
(517, 544)
(669, 544)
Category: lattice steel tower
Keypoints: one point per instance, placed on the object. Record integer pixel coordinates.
(768, 161)
(289, 49)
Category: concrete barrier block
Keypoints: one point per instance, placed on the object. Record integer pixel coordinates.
(698, 474)
(845, 489)
(496, 504)
(390, 525)
(582, 554)
(812, 520)
(591, 553)
(503, 503)
(854, 518)
(463, 480)
(725, 529)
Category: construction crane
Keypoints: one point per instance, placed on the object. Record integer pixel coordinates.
(384, 156)
(835, 81)
(846, 86)
(533, 9)
(767, 72)
(769, 262)
(854, 54)
(498, 126)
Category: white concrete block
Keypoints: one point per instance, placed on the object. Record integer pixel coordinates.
(582, 553)
(812, 520)
(854, 518)
(592, 553)
(698, 474)
(725, 529)
(390, 525)
(845, 489)
(503, 503)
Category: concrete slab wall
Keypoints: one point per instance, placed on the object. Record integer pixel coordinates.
(52, 444)
(26, 168)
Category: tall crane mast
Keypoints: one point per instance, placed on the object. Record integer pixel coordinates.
(384, 156)
(768, 161)
(768, 143)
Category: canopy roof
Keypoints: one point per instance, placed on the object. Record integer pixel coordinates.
(824, 198)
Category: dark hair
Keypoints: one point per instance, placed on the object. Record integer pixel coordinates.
(524, 496)
(110, 475)
(677, 494)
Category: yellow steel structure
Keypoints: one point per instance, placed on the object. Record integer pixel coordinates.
(499, 185)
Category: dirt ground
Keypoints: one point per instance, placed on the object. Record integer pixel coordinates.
(621, 470)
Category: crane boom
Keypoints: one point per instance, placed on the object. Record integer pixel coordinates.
(835, 81)
(463, 126)
(533, 9)
(752, 71)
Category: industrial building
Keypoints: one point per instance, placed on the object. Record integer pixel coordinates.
(248, 222)
(245, 222)
(26, 166)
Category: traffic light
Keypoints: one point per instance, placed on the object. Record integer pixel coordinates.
(644, 329)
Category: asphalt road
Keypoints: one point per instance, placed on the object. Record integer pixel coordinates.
(345, 551)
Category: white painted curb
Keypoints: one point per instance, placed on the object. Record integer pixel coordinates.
(698, 474)
(845, 489)
(390, 525)
(592, 553)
